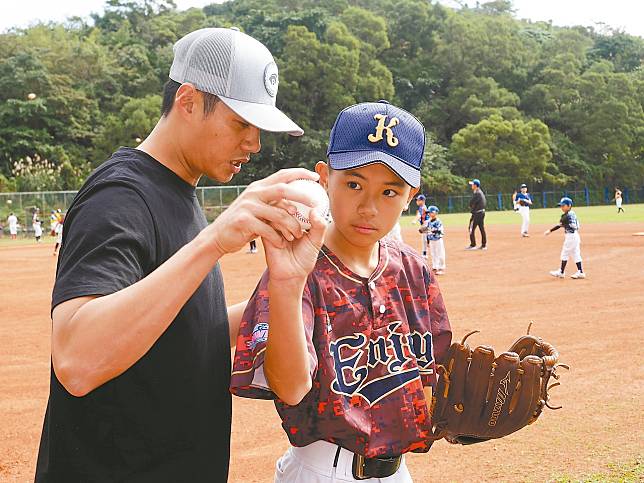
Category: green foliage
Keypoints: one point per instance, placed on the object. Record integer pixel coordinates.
(500, 151)
(500, 98)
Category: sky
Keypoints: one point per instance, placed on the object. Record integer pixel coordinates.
(623, 14)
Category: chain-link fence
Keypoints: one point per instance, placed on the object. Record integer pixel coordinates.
(459, 203)
(214, 199)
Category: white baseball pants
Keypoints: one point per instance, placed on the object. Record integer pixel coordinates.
(425, 242)
(437, 250)
(314, 464)
(524, 211)
(571, 247)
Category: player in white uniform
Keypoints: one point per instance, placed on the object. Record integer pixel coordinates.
(12, 220)
(37, 225)
(435, 238)
(523, 202)
(421, 217)
(572, 242)
(59, 234)
(618, 200)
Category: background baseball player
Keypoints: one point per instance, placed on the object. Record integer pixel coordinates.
(435, 236)
(421, 218)
(477, 209)
(12, 221)
(36, 223)
(58, 229)
(524, 202)
(618, 200)
(363, 328)
(572, 241)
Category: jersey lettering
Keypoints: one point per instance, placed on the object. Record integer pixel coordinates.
(354, 356)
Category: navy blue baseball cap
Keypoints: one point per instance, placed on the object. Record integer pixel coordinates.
(475, 182)
(565, 201)
(524, 185)
(433, 209)
(378, 132)
(420, 197)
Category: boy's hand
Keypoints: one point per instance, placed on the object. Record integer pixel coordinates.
(546, 233)
(293, 261)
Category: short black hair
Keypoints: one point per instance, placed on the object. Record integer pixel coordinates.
(170, 91)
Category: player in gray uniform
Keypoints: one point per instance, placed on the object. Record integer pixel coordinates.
(571, 245)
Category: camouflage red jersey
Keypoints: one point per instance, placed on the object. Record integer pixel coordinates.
(372, 344)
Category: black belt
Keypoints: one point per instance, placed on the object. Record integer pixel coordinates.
(365, 468)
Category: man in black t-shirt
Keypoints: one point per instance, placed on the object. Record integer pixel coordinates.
(141, 333)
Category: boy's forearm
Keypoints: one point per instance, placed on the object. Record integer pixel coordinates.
(95, 339)
(286, 362)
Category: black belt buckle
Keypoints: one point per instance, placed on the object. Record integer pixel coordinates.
(365, 468)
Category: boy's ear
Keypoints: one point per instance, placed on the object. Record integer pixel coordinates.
(322, 169)
(412, 193)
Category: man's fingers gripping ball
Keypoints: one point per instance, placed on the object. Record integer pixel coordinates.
(318, 197)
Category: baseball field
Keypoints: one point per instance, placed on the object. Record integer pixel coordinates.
(597, 324)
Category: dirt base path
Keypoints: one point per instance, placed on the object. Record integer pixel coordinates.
(597, 324)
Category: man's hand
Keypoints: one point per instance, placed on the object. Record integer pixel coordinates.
(255, 213)
(294, 260)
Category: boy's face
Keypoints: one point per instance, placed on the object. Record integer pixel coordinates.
(565, 208)
(365, 202)
(433, 215)
(420, 202)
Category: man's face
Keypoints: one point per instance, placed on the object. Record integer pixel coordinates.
(365, 202)
(220, 144)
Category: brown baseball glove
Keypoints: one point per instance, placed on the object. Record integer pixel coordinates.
(480, 396)
(423, 229)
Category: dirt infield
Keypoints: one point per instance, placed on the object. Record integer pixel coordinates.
(597, 323)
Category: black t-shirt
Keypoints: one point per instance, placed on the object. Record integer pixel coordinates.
(167, 418)
(477, 202)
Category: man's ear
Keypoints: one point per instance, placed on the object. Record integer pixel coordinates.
(186, 99)
(322, 169)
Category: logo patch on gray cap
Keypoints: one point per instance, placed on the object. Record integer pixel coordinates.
(271, 79)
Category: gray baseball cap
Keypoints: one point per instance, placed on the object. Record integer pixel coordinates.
(236, 68)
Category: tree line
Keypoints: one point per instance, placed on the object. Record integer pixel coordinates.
(504, 100)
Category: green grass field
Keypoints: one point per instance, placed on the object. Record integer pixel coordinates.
(547, 216)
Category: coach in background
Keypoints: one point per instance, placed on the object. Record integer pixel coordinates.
(477, 208)
(141, 335)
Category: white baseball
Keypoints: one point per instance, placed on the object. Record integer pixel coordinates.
(31, 96)
(315, 191)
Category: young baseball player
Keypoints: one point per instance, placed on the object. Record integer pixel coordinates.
(618, 200)
(421, 218)
(435, 238)
(570, 224)
(12, 221)
(524, 202)
(366, 325)
(59, 232)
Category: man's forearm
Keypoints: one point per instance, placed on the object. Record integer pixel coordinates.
(286, 363)
(96, 339)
